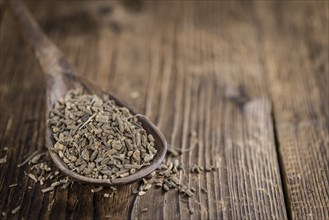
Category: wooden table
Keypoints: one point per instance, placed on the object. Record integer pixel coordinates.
(249, 78)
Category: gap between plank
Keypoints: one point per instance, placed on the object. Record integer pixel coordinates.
(281, 168)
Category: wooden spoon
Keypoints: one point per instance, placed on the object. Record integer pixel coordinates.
(61, 77)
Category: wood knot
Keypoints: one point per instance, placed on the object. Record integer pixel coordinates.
(236, 95)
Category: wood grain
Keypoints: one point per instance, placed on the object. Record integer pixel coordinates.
(215, 68)
(222, 105)
(298, 74)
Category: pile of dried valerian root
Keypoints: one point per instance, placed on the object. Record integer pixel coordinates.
(43, 172)
(98, 139)
(111, 144)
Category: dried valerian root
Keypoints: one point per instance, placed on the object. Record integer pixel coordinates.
(3, 160)
(165, 177)
(43, 172)
(15, 210)
(197, 169)
(98, 139)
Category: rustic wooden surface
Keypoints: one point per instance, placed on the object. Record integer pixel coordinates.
(250, 78)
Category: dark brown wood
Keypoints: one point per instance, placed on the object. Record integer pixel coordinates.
(294, 38)
(61, 77)
(213, 68)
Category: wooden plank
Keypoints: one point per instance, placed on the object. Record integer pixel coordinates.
(190, 67)
(225, 103)
(296, 60)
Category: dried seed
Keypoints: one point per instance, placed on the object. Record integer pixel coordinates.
(12, 185)
(27, 159)
(144, 210)
(151, 175)
(175, 180)
(106, 172)
(189, 193)
(151, 138)
(124, 174)
(141, 193)
(148, 158)
(157, 181)
(102, 118)
(15, 210)
(55, 184)
(132, 166)
(195, 169)
(3, 160)
(113, 188)
(85, 155)
(136, 155)
(106, 195)
(72, 158)
(58, 146)
(32, 177)
(158, 184)
(166, 182)
(93, 155)
(98, 189)
(165, 187)
(47, 189)
(60, 154)
(173, 152)
(147, 187)
(51, 205)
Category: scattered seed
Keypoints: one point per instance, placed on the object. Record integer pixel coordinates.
(47, 189)
(113, 188)
(189, 193)
(51, 205)
(147, 187)
(36, 158)
(55, 184)
(173, 152)
(32, 177)
(98, 189)
(15, 210)
(12, 185)
(27, 159)
(195, 169)
(106, 195)
(141, 193)
(165, 187)
(3, 160)
(204, 190)
(158, 184)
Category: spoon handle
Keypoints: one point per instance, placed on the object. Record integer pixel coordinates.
(51, 60)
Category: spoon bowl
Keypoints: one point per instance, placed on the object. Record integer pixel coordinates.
(61, 76)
